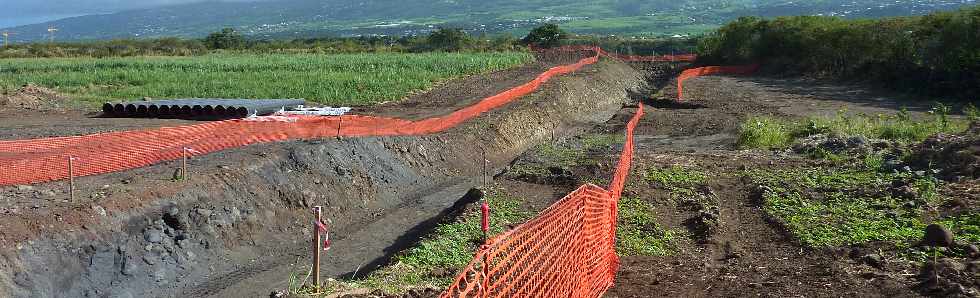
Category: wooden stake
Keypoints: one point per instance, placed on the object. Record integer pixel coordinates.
(318, 213)
(486, 182)
(71, 178)
(340, 125)
(554, 133)
(183, 164)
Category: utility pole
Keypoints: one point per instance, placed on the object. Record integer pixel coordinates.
(51, 31)
(6, 37)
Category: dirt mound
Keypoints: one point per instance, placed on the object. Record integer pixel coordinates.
(32, 97)
(952, 155)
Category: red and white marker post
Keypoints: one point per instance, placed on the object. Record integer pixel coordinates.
(319, 244)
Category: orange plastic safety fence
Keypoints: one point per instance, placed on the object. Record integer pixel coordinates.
(711, 70)
(630, 58)
(42, 160)
(566, 251)
(662, 58)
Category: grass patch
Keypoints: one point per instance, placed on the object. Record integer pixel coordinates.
(449, 248)
(768, 132)
(574, 152)
(765, 133)
(677, 180)
(344, 79)
(842, 219)
(546, 158)
(966, 227)
(837, 207)
(638, 234)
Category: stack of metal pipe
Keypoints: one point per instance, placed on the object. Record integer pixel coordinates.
(199, 108)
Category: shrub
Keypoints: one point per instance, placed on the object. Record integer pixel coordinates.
(227, 38)
(545, 36)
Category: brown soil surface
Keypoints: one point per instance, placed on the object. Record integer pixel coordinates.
(31, 97)
(460, 93)
(746, 254)
(239, 227)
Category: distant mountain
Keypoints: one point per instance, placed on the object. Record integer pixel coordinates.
(304, 18)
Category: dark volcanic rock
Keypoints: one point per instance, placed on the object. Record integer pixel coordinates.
(937, 236)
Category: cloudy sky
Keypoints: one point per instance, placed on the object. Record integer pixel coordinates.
(22, 12)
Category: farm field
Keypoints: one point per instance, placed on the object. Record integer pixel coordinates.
(344, 79)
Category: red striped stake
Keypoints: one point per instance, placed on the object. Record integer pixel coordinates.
(485, 223)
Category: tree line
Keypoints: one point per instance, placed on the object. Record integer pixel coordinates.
(231, 40)
(936, 54)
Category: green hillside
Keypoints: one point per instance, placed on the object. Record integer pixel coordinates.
(302, 18)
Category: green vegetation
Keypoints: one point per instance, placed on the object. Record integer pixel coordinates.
(767, 133)
(231, 40)
(776, 133)
(648, 46)
(965, 227)
(971, 112)
(837, 218)
(638, 233)
(679, 181)
(933, 54)
(546, 36)
(449, 39)
(226, 39)
(826, 207)
(565, 155)
(265, 19)
(448, 248)
(348, 79)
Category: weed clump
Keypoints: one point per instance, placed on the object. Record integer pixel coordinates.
(766, 132)
(436, 259)
(638, 233)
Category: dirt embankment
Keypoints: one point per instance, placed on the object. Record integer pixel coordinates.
(240, 225)
(32, 97)
(726, 245)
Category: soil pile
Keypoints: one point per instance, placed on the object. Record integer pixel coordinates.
(952, 155)
(32, 97)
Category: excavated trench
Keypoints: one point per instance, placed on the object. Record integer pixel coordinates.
(240, 226)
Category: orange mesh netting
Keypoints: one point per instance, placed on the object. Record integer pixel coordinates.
(628, 58)
(566, 251)
(711, 70)
(42, 160)
(663, 58)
